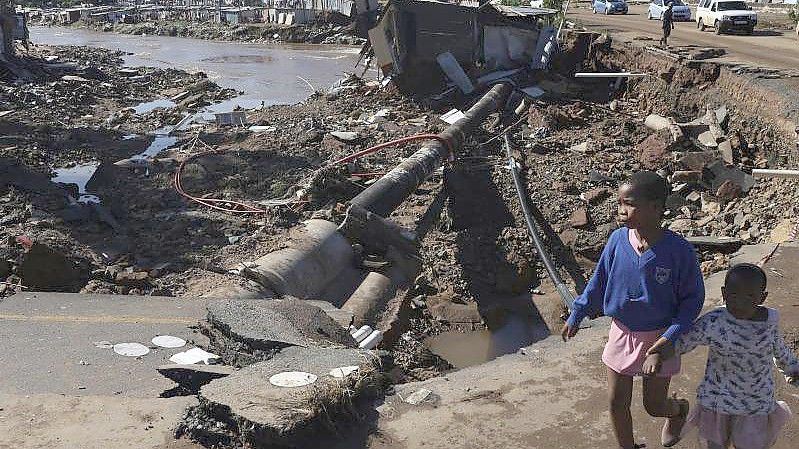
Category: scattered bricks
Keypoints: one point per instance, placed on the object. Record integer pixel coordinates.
(579, 218)
(686, 176)
(596, 196)
(728, 191)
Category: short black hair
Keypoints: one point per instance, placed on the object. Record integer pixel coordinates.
(747, 269)
(651, 186)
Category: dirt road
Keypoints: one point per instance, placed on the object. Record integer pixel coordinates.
(766, 48)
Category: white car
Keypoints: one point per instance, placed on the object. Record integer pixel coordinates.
(725, 16)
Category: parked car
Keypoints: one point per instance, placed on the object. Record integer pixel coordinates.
(725, 16)
(609, 6)
(680, 11)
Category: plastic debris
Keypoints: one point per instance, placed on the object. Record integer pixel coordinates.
(418, 396)
(168, 341)
(194, 355)
(292, 379)
(343, 371)
(131, 349)
(103, 344)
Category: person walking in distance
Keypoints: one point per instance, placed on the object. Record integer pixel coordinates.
(668, 24)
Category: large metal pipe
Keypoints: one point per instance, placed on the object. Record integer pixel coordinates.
(385, 195)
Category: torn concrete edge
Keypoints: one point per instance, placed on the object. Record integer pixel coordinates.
(294, 417)
(412, 34)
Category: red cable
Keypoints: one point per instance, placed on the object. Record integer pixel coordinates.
(381, 146)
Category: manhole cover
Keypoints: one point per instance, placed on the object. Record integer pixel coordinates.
(131, 349)
(168, 341)
(292, 379)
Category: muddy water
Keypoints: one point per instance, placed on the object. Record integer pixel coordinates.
(473, 348)
(265, 73)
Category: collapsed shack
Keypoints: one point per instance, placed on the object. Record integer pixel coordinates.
(420, 44)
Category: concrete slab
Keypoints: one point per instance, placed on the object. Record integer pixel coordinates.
(54, 421)
(245, 408)
(247, 331)
(44, 337)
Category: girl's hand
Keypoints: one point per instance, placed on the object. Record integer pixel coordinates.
(568, 332)
(652, 364)
(662, 347)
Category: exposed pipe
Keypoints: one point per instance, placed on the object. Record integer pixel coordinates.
(535, 233)
(385, 195)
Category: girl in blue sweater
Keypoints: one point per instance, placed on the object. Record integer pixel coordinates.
(648, 280)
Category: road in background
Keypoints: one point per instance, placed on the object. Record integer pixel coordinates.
(777, 49)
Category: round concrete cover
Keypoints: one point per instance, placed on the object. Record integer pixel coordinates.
(343, 371)
(292, 379)
(168, 341)
(131, 349)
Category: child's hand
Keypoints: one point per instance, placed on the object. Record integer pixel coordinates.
(652, 364)
(568, 332)
(663, 347)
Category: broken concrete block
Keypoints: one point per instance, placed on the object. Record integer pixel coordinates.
(686, 176)
(722, 173)
(247, 331)
(696, 161)
(581, 147)
(722, 115)
(132, 279)
(345, 136)
(694, 197)
(579, 218)
(681, 225)
(246, 409)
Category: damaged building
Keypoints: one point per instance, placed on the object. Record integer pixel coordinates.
(416, 42)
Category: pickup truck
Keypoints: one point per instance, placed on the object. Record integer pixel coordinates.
(725, 16)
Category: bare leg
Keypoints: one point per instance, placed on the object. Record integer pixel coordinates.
(656, 398)
(620, 393)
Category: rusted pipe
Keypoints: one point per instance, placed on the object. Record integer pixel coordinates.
(385, 195)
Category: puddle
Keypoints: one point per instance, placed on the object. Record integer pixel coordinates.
(149, 106)
(79, 175)
(160, 143)
(480, 346)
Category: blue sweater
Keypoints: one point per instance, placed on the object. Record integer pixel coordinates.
(663, 288)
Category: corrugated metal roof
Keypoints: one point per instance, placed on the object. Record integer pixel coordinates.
(524, 11)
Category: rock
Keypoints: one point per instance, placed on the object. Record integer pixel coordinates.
(710, 207)
(581, 148)
(722, 173)
(782, 232)
(653, 152)
(657, 122)
(566, 187)
(686, 176)
(675, 201)
(696, 161)
(725, 147)
(722, 116)
(346, 136)
(694, 197)
(596, 196)
(442, 309)
(728, 191)
(681, 225)
(614, 105)
(579, 218)
(132, 279)
(599, 178)
(44, 268)
(708, 140)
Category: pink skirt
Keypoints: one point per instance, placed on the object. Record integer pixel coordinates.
(626, 350)
(749, 431)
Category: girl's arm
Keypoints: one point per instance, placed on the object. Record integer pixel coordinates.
(688, 341)
(690, 296)
(591, 301)
(785, 359)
